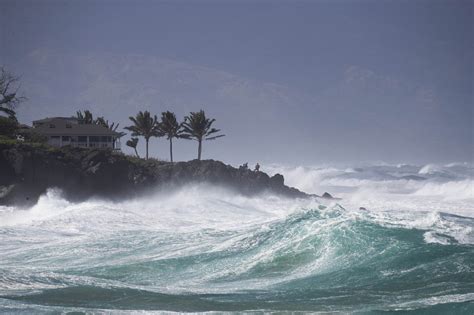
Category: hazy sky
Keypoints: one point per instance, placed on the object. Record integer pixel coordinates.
(339, 80)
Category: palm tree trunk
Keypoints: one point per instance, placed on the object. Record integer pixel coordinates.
(146, 140)
(171, 150)
(199, 149)
(136, 152)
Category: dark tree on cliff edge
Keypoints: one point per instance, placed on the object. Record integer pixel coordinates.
(132, 143)
(169, 127)
(145, 126)
(197, 127)
(9, 98)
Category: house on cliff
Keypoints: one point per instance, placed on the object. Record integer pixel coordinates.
(63, 131)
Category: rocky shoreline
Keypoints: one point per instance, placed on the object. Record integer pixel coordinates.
(28, 170)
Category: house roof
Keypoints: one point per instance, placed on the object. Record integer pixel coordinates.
(63, 127)
(49, 119)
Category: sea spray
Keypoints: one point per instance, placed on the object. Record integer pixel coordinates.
(440, 188)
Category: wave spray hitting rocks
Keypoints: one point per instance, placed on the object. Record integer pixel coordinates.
(29, 170)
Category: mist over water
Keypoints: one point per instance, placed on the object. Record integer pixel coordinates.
(203, 248)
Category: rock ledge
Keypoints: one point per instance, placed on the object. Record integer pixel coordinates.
(27, 171)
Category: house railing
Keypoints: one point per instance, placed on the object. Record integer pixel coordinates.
(92, 144)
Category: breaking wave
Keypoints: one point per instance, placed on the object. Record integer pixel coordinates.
(203, 248)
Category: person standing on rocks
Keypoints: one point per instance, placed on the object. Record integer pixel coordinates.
(257, 167)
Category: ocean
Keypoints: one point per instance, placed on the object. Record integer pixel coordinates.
(400, 241)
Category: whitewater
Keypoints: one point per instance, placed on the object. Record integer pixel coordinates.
(400, 240)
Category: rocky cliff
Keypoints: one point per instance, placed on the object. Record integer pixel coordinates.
(27, 171)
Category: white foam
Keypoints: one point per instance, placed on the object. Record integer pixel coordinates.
(435, 300)
(452, 190)
(448, 188)
(433, 237)
(192, 207)
(430, 169)
(48, 205)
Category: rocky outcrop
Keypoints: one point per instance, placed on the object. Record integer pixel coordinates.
(27, 171)
(327, 195)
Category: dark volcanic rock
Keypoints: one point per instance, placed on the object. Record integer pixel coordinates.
(27, 171)
(327, 195)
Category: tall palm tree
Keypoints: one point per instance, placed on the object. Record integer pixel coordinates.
(132, 143)
(144, 125)
(170, 128)
(197, 127)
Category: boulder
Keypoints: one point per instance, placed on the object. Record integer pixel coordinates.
(327, 195)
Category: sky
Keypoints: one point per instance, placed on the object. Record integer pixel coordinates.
(300, 82)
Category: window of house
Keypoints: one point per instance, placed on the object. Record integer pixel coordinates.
(82, 139)
(94, 139)
(68, 126)
(52, 126)
(66, 138)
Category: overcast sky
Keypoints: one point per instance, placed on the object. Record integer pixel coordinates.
(342, 81)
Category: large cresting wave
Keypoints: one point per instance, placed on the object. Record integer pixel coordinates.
(203, 248)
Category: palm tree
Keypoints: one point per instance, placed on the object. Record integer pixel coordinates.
(132, 143)
(105, 123)
(101, 121)
(197, 127)
(144, 125)
(85, 118)
(170, 128)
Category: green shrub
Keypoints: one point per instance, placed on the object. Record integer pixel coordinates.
(7, 140)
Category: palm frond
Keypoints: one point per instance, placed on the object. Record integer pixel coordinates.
(214, 138)
(144, 125)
